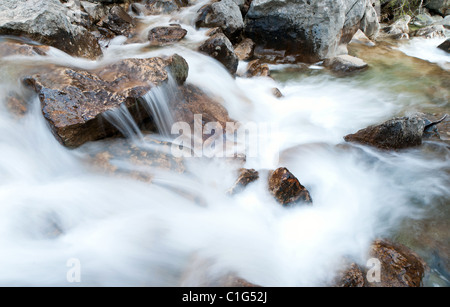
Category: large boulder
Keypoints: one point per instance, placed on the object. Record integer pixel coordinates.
(74, 100)
(439, 6)
(48, 23)
(445, 46)
(369, 23)
(311, 30)
(220, 48)
(224, 14)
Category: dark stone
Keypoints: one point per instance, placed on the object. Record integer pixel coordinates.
(445, 46)
(118, 21)
(246, 176)
(161, 36)
(286, 188)
(220, 48)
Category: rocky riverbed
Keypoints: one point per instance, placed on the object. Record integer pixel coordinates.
(225, 143)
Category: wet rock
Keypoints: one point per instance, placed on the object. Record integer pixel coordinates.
(276, 92)
(97, 11)
(286, 188)
(73, 100)
(213, 31)
(220, 48)
(369, 23)
(430, 32)
(118, 21)
(400, 267)
(9, 48)
(445, 45)
(245, 177)
(161, 36)
(345, 64)
(309, 30)
(224, 14)
(244, 50)
(192, 100)
(256, 68)
(48, 23)
(397, 133)
(352, 277)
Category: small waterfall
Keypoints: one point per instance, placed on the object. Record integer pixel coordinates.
(124, 122)
(157, 103)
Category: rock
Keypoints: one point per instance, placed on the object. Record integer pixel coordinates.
(192, 100)
(443, 22)
(352, 277)
(276, 92)
(97, 11)
(399, 26)
(213, 31)
(47, 23)
(423, 20)
(244, 50)
(161, 36)
(118, 21)
(439, 6)
(361, 38)
(310, 30)
(445, 45)
(286, 188)
(246, 176)
(369, 23)
(345, 64)
(220, 48)
(73, 100)
(156, 7)
(224, 14)
(400, 267)
(8, 48)
(256, 68)
(430, 32)
(397, 133)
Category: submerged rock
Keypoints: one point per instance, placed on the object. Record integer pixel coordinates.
(220, 48)
(345, 64)
(161, 36)
(310, 30)
(445, 46)
(47, 23)
(397, 133)
(73, 100)
(286, 188)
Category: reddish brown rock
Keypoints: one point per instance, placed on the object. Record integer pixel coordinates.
(246, 176)
(257, 69)
(286, 188)
(352, 277)
(118, 21)
(244, 50)
(161, 36)
(73, 100)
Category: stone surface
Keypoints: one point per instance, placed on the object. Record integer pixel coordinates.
(445, 45)
(245, 177)
(224, 14)
(256, 68)
(397, 133)
(345, 64)
(117, 21)
(47, 22)
(369, 23)
(400, 267)
(286, 188)
(73, 100)
(220, 48)
(244, 50)
(439, 6)
(156, 7)
(430, 32)
(310, 30)
(161, 36)
(399, 26)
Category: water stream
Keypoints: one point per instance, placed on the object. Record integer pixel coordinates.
(56, 205)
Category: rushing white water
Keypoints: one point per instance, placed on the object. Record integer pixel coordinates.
(56, 208)
(426, 49)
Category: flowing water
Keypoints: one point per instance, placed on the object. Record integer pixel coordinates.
(59, 206)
